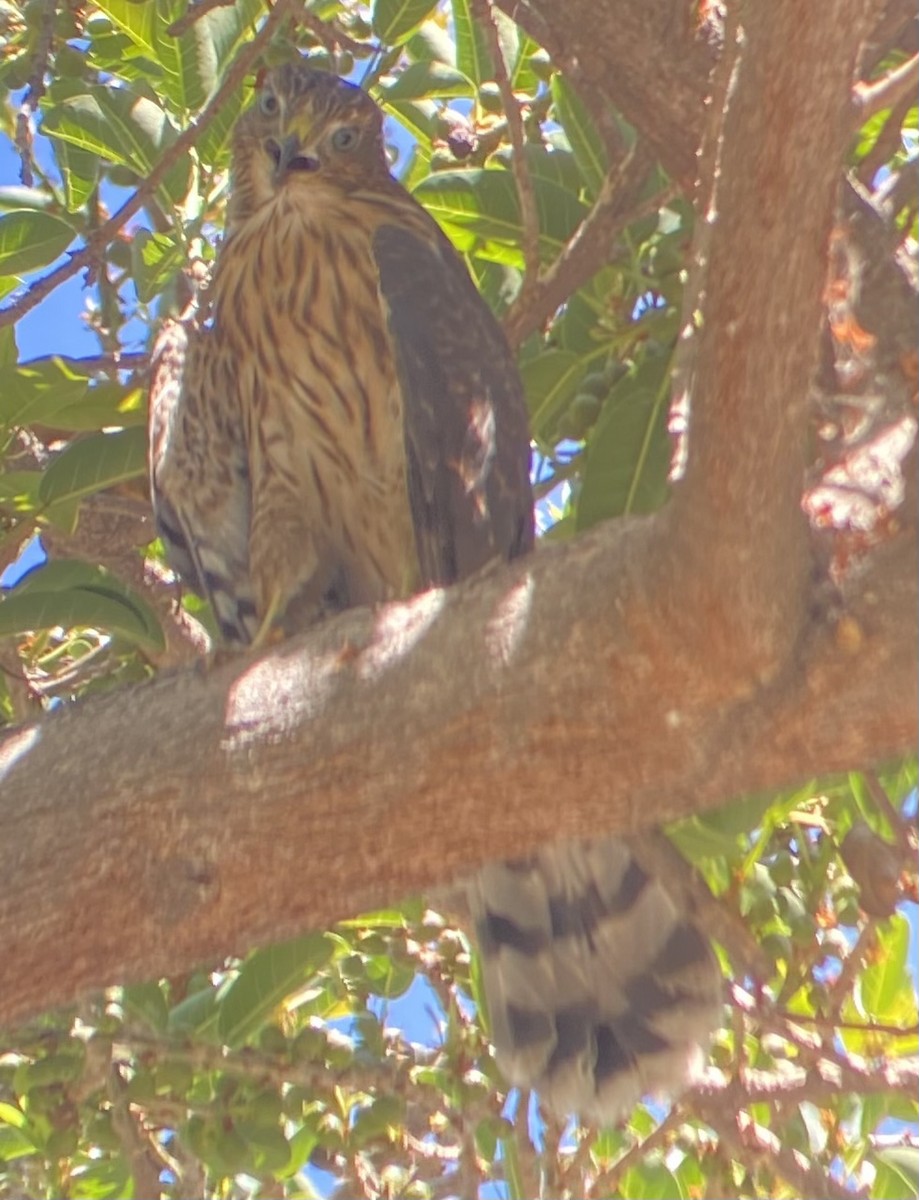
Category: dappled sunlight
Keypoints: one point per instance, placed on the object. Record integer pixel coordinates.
(15, 746)
(276, 695)
(504, 631)
(397, 630)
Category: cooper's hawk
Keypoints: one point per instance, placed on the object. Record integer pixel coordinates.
(351, 428)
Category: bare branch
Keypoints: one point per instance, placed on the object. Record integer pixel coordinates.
(886, 92)
(587, 249)
(215, 787)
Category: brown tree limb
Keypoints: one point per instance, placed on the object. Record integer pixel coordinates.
(785, 135)
(586, 689)
(255, 800)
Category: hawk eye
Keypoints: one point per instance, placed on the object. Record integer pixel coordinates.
(268, 104)
(345, 138)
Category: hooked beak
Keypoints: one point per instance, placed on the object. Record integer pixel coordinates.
(288, 155)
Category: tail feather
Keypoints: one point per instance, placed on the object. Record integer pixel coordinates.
(599, 988)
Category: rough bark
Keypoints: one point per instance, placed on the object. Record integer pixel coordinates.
(647, 670)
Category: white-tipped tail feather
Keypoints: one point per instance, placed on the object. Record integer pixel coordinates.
(600, 990)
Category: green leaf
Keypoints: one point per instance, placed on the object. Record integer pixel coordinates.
(14, 1143)
(196, 1013)
(550, 380)
(628, 455)
(522, 76)
(146, 1002)
(484, 202)
(68, 592)
(897, 1173)
(38, 391)
(394, 21)
(652, 1181)
(155, 257)
(79, 171)
(11, 1115)
(95, 462)
(266, 978)
(883, 992)
(14, 196)
(422, 80)
(9, 351)
(472, 56)
(417, 116)
(137, 21)
(123, 127)
(429, 42)
(78, 608)
(106, 1180)
(214, 142)
(30, 239)
(581, 131)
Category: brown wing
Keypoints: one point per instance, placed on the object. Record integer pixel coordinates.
(466, 438)
(199, 479)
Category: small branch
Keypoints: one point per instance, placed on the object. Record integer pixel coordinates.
(36, 89)
(750, 1141)
(108, 364)
(900, 828)
(586, 251)
(145, 1165)
(886, 92)
(525, 191)
(607, 1182)
(43, 287)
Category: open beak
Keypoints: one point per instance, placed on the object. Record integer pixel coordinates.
(288, 155)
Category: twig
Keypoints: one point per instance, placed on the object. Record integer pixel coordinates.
(140, 1151)
(607, 1182)
(90, 364)
(845, 981)
(528, 211)
(899, 827)
(35, 91)
(749, 1140)
(183, 143)
(194, 12)
(871, 98)
(585, 252)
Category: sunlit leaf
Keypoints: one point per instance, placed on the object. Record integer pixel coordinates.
(581, 130)
(628, 455)
(393, 21)
(265, 979)
(95, 462)
(30, 239)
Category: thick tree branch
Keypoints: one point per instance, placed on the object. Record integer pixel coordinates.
(266, 796)
(785, 135)
(603, 684)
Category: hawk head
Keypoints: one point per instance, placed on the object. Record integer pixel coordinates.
(305, 129)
